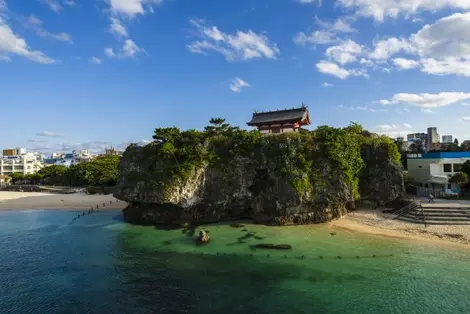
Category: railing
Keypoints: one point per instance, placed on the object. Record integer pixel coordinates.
(407, 208)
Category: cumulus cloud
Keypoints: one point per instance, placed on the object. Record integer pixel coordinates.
(326, 34)
(427, 111)
(326, 84)
(234, 47)
(405, 64)
(36, 25)
(407, 125)
(237, 85)
(132, 8)
(466, 119)
(346, 52)
(331, 68)
(117, 28)
(379, 10)
(13, 44)
(128, 50)
(50, 134)
(426, 100)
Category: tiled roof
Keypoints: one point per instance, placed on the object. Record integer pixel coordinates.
(289, 115)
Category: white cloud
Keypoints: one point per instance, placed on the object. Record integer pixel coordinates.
(237, 85)
(405, 64)
(36, 25)
(465, 104)
(340, 106)
(331, 68)
(381, 9)
(385, 48)
(54, 5)
(426, 100)
(327, 34)
(70, 3)
(11, 43)
(345, 53)
(427, 111)
(128, 50)
(315, 38)
(49, 134)
(131, 8)
(407, 125)
(109, 52)
(387, 127)
(240, 46)
(466, 119)
(446, 67)
(326, 84)
(95, 60)
(319, 2)
(117, 28)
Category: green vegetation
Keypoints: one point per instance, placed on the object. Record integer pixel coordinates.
(100, 172)
(460, 178)
(318, 159)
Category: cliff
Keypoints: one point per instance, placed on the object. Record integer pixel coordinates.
(226, 174)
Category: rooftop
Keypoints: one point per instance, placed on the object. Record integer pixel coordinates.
(287, 115)
(440, 155)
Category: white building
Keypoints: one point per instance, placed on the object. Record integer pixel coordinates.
(433, 170)
(27, 163)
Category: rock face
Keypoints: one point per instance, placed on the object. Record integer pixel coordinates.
(275, 180)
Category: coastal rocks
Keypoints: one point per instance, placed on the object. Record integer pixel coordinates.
(203, 237)
(280, 180)
(382, 178)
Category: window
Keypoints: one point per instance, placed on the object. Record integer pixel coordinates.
(426, 186)
(449, 186)
(458, 167)
(276, 130)
(447, 167)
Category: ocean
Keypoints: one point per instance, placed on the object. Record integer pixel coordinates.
(99, 264)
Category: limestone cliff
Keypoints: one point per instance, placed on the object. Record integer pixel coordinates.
(312, 177)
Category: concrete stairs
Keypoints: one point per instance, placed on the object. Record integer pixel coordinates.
(437, 215)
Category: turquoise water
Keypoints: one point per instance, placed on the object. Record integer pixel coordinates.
(99, 264)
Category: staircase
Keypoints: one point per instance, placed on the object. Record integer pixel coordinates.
(436, 215)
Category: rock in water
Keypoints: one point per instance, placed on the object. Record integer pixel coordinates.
(203, 237)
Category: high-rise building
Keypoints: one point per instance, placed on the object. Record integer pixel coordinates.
(447, 139)
(432, 138)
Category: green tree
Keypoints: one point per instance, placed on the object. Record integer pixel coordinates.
(466, 167)
(460, 178)
(16, 177)
(217, 126)
(54, 175)
(416, 148)
(456, 142)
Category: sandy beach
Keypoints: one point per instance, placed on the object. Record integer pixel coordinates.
(32, 200)
(377, 223)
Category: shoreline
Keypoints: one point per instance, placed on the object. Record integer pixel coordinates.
(10, 201)
(375, 223)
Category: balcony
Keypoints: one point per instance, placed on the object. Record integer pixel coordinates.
(440, 179)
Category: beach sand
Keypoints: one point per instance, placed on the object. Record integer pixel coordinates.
(377, 223)
(32, 200)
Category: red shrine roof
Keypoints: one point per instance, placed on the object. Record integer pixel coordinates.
(294, 115)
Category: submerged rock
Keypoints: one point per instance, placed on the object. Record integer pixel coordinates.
(272, 246)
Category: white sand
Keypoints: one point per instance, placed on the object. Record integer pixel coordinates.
(375, 222)
(33, 200)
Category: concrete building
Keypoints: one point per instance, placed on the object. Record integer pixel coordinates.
(14, 151)
(432, 138)
(27, 163)
(414, 137)
(447, 139)
(433, 170)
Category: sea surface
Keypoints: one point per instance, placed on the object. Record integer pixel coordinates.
(99, 264)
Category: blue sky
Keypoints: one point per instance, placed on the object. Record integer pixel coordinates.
(94, 73)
